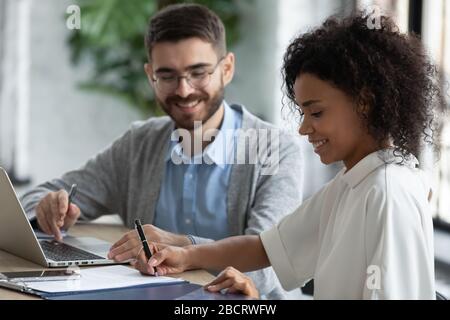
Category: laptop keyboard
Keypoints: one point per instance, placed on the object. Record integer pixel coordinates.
(64, 252)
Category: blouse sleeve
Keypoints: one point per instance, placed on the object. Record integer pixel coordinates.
(292, 246)
(399, 242)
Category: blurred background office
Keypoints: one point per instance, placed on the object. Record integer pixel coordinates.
(69, 86)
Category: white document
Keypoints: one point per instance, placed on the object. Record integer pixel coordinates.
(99, 278)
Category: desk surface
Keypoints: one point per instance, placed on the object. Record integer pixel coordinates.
(110, 233)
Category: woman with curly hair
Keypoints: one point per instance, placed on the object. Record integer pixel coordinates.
(366, 98)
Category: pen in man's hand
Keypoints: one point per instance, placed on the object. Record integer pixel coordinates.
(148, 253)
(72, 192)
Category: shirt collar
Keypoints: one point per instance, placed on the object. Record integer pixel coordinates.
(218, 152)
(371, 162)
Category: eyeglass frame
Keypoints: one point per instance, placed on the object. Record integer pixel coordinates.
(188, 76)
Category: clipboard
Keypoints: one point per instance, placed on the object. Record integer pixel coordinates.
(20, 287)
(154, 291)
(97, 281)
(175, 291)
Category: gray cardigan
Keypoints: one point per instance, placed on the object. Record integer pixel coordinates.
(125, 178)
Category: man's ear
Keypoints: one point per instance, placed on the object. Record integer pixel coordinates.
(149, 71)
(228, 68)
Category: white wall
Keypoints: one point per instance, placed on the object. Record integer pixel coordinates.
(67, 125)
(7, 57)
(254, 83)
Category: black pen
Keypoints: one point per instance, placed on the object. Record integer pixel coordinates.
(148, 253)
(72, 192)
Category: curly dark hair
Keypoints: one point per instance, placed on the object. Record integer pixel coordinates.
(388, 74)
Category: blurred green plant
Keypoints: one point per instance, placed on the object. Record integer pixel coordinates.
(112, 39)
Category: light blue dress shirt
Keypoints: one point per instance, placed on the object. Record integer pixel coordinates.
(193, 196)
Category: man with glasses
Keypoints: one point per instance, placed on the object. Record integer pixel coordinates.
(181, 174)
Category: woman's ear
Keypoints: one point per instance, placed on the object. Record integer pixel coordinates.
(364, 102)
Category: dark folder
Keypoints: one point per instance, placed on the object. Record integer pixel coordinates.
(168, 291)
(180, 291)
(165, 292)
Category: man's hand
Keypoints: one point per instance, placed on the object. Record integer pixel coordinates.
(53, 213)
(233, 281)
(129, 245)
(165, 260)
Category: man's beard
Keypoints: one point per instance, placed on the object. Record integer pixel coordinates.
(211, 105)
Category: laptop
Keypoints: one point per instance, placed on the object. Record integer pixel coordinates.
(17, 237)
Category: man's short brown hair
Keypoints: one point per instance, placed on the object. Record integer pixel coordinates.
(183, 21)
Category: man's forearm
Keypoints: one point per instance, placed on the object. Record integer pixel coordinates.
(245, 253)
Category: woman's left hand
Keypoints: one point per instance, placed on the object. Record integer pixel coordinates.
(235, 282)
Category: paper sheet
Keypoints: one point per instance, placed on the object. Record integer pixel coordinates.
(99, 278)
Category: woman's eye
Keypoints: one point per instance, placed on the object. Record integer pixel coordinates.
(316, 114)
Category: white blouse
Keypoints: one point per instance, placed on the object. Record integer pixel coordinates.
(368, 234)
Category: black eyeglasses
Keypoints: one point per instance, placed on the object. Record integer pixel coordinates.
(197, 78)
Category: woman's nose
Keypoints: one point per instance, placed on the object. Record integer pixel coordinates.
(305, 128)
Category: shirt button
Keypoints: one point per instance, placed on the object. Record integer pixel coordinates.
(188, 221)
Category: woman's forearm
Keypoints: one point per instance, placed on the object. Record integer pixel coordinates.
(245, 253)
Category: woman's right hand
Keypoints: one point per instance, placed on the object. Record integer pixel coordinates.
(165, 260)
(235, 282)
